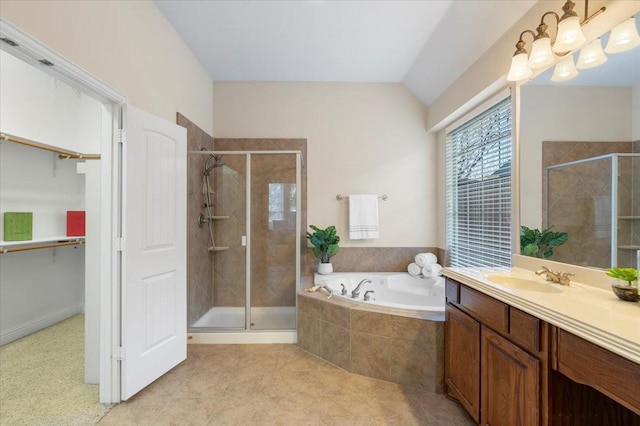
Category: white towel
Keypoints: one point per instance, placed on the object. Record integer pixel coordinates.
(414, 270)
(424, 259)
(431, 270)
(363, 217)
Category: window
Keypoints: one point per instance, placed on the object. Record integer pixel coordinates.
(479, 189)
(282, 201)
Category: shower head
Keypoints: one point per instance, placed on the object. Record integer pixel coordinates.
(217, 162)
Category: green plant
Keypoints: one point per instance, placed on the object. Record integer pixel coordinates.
(625, 274)
(325, 242)
(536, 243)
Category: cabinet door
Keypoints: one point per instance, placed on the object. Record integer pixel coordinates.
(462, 360)
(510, 383)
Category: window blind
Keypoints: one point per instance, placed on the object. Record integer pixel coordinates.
(479, 189)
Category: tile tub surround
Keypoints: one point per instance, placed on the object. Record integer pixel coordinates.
(370, 259)
(388, 344)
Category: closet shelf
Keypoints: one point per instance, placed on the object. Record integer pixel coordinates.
(63, 154)
(39, 243)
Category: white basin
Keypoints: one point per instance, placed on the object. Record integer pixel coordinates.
(520, 283)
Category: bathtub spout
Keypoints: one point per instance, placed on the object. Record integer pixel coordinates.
(356, 291)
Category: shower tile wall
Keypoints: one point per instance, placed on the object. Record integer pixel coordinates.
(273, 251)
(199, 262)
(580, 200)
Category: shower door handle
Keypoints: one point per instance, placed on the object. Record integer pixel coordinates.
(244, 241)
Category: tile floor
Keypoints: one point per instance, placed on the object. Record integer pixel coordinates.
(277, 385)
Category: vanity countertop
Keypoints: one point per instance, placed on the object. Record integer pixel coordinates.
(595, 314)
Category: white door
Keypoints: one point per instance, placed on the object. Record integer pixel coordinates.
(154, 292)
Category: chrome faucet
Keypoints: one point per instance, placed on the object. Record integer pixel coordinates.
(556, 277)
(356, 291)
(367, 295)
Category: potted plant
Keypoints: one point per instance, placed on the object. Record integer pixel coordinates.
(325, 244)
(536, 243)
(625, 285)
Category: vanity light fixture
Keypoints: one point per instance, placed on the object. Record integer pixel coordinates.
(569, 37)
(591, 55)
(623, 37)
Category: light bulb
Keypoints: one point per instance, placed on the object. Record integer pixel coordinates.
(569, 36)
(519, 69)
(564, 70)
(623, 37)
(541, 54)
(591, 55)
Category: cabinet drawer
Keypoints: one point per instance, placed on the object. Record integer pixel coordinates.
(452, 291)
(592, 365)
(486, 309)
(524, 330)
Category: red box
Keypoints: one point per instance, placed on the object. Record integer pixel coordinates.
(75, 223)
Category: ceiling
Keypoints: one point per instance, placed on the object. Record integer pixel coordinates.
(425, 44)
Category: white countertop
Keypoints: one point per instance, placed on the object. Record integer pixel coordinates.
(593, 313)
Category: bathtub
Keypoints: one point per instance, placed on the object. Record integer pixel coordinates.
(396, 290)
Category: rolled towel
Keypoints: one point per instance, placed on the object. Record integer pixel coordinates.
(431, 270)
(414, 270)
(423, 259)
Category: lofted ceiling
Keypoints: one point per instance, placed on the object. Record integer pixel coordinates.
(424, 44)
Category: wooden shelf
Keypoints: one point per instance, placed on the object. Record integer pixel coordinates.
(39, 243)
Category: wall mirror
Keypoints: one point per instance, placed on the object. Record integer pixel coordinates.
(580, 160)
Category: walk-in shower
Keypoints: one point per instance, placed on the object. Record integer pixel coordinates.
(597, 202)
(251, 210)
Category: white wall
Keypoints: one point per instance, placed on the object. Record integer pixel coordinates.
(565, 113)
(128, 45)
(362, 138)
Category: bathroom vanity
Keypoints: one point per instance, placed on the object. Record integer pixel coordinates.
(513, 356)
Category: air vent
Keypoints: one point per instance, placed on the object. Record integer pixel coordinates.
(45, 62)
(9, 42)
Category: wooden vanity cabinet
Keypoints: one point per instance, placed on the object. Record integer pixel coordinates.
(495, 359)
(462, 365)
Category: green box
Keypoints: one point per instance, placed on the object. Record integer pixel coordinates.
(18, 226)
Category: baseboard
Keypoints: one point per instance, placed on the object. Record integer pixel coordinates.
(38, 324)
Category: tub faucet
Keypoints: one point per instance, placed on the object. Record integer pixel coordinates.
(356, 291)
(367, 295)
(556, 277)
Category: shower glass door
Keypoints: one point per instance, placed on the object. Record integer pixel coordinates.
(274, 228)
(251, 199)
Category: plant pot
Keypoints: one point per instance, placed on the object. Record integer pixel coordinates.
(325, 268)
(624, 291)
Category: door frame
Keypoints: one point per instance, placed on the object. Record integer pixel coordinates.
(30, 51)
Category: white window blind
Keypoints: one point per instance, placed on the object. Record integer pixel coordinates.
(479, 189)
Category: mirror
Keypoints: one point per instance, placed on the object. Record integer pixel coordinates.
(595, 114)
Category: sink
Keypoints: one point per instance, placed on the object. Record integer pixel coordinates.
(520, 283)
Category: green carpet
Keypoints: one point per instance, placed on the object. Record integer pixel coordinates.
(42, 379)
